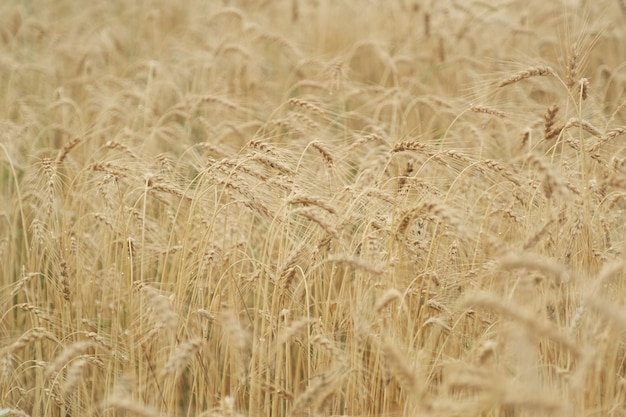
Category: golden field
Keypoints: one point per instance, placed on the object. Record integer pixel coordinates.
(312, 208)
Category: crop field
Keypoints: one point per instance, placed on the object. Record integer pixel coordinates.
(290, 208)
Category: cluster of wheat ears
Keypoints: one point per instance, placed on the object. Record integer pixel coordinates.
(312, 208)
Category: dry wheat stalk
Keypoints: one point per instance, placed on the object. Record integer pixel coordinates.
(311, 201)
(332, 348)
(529, 321)
(70, 352)
(549, 119)
(487, 110)
(584, 124)
(535, 238)
(611, 134)
(442, 324)
(99, 339)
(268, 149)
(50, 173)
(404, 223)
(406, 374)
(414, 146)
(454, 154)
(497, 167)
(287, 271)
(158, 183)
(402, 180)
(534, 262)
(486, 350)
(25, 279)
(572, 66)
(294, 328)
(441, 212)
(550, 181)
(132, 405)
(65, 150)
(609, 310)
(328, 158)
(315, 218)
(387, 298)
(181, 356)
(508, 213)
(239, 336)
(113, 144)
(540, 71)
(75, 372)
(305, 104)
(118, 171)
(13, 412)
(219, 100)
(437, 306)
(274, 163)
(31, 336)
(160, 312)
(317, 391)
(8, 363)
(583, 85)
(526, 137)
(37, 311)
(306, 121)
(206, 314)
(65, 284)
(354, 262)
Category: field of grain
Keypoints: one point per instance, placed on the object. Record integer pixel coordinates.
(312, 208)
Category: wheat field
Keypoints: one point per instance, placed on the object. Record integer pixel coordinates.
(285, 208)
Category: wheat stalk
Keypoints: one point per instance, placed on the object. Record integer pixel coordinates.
(540, 71)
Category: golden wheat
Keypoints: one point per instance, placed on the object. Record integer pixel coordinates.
(288, 208)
